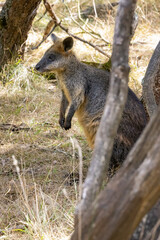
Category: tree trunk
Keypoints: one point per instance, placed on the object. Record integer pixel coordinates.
(151, 82)
(15, 21)
(149, 227)
(117, 211)
(156, 88)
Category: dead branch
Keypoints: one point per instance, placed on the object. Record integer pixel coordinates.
(43, 14)
(14, 128)
(36, 47)
(114, 106)
(48, 29)
(51, 12)
(84, 41)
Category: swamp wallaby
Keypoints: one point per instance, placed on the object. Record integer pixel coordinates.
(84, 89)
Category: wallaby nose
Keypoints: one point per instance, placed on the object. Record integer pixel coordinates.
(37, 67)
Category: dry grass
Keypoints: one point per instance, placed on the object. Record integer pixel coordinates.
(38, 200)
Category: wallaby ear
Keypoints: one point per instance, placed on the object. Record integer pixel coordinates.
(54, 38)
(67, 43)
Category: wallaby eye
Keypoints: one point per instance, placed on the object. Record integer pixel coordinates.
(51, 57)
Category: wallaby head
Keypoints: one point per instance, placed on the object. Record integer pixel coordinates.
(56, 57)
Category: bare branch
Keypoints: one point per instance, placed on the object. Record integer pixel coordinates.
(114, 106)
(43, 14)
(51, 12)
(84, 41)
(44, 38)
(48, 28)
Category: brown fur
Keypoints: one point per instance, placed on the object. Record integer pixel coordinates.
(84, 90)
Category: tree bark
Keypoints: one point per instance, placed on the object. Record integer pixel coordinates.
(151, 82)
(114, 106)
(156, 87)
(149, 228)
(15, 21)
(117, 211)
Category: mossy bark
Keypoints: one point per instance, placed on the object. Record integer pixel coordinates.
(15, 21)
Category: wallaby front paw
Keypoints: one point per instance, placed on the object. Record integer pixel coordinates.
(67, 125)
(61, 122)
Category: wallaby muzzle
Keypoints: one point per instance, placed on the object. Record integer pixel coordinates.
(41, 66)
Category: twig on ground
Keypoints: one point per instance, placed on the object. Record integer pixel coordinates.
(14, 128)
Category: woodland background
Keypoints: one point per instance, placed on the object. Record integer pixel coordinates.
(39, 201)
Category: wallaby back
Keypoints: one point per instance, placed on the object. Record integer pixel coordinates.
(84, 90)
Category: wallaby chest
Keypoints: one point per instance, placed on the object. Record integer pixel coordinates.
(71, 85)
(64, 87)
